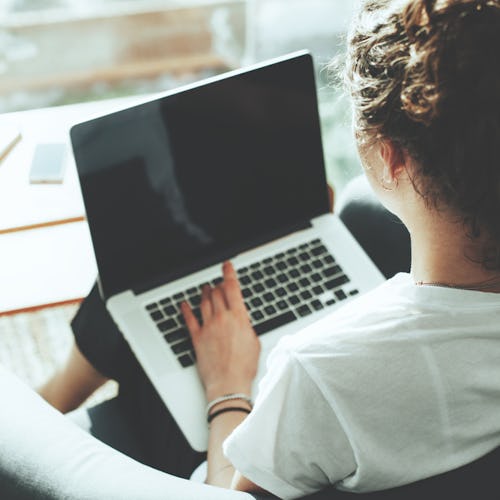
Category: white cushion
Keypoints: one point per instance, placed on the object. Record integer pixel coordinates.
(44, 455)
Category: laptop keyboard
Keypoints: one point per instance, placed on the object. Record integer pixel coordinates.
(277, 290)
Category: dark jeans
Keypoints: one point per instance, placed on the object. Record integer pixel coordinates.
(136, 422)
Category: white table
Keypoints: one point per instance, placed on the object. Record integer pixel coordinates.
(46, 255)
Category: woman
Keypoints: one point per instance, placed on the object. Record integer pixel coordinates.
(402, 383)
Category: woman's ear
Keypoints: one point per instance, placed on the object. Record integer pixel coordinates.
(394, 161)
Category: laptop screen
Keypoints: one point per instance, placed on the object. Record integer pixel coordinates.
(180, 183)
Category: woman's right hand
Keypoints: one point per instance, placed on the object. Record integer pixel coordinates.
(226, 345)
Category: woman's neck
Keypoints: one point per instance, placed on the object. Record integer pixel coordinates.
(443, 254)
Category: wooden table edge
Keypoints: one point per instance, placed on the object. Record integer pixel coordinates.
(39, 225)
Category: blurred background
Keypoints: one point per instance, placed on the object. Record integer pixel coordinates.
(56, 52)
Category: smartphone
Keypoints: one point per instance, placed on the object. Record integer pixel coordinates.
(9, 137)
(48, 164)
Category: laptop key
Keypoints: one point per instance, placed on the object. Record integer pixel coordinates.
(328, 259)
(353, 292)
(294, 300)
(256, 302)
(245, 280)
(306, 268)
(247, 293)
(331, 271)
(192, 291)
(166, 300)
(268, 297)
(318, 290)
(319, 250)
(257, 275)
(282, 305)
(303, 246)
(292, 261)
(257, 315)
(270, 283)
(179, 296)
(195, 300)
(270, 310)
(336, 282)
(304, 310)
(217, 281)
(306, 295)
(340, 294)
(167, 325)
(294, 273)
(269, 270)
(184, 346)
(282, 278)
(304, 256)
(292, 287)
(197, 314)
(281, 266)
(280, 292)
(258, 288)
(317, 264)
(169, 310)
(304, 282)
(180, 334)
(185, 360)
(316, 277)
(317, 305)
(276, 322)
(156, 315)
(152, 307)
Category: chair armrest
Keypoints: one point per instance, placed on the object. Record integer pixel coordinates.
(44, 455)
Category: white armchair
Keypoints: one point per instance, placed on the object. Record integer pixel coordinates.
(43, 455)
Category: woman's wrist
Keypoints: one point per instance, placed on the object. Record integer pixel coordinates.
(225, 409)
(239, 396)
(216, 391)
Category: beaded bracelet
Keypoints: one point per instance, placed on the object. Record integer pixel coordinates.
(228, 397)
(225, 410)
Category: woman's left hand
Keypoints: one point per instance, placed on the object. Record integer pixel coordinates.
(227, 348)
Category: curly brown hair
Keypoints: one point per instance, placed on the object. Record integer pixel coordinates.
(426, 75)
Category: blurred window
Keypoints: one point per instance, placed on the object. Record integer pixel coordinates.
(55, 52)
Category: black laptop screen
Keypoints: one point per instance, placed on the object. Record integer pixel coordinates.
(195, 177)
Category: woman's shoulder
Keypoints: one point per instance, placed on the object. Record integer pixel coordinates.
(356, 319)
(395, 319)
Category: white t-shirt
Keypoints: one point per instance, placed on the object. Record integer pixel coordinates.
(401, 384)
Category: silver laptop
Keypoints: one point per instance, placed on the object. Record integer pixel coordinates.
(228, 168)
